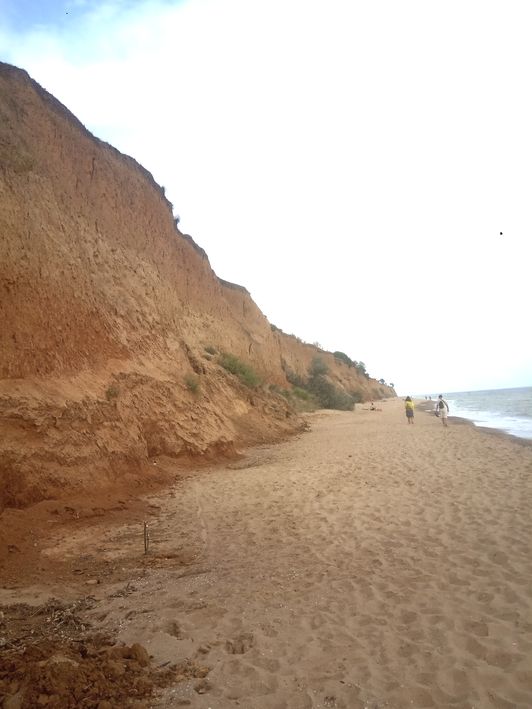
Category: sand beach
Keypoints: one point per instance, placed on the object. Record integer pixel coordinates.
(363, 564)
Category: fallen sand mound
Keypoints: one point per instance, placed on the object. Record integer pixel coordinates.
(51, 658)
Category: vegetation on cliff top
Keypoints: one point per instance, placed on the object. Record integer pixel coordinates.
(340, 356)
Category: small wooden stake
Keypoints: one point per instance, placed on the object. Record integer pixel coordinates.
(146, 538)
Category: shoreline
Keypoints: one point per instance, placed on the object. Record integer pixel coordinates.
(462, 421)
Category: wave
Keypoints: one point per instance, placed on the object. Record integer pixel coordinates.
(508, 410)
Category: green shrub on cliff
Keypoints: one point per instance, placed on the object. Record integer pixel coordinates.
(318, 367)
(111, 392)
(329, 395)
(303, 400)
(276, 389)
(317, 390)
(243, 371)
(192, 382)
(295, 379)
(301, 393)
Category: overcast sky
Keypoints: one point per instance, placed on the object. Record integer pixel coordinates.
(351, 163)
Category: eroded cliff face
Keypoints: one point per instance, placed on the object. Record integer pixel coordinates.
(110, 317)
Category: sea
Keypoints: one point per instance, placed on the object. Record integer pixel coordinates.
(509, 410)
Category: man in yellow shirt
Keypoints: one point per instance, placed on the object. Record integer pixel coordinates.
(409, 409)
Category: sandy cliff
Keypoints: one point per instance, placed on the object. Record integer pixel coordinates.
(107, 311)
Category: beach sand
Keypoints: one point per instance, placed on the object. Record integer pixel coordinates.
(365, 563)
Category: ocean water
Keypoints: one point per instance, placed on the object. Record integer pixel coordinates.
(508, 410)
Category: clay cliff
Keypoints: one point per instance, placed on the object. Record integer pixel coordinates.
(113, 322)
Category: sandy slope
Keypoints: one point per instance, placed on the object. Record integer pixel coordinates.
(364, 564)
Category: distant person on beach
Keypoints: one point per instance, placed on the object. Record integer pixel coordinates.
(409, 409)
(442, 409)
(372, 407)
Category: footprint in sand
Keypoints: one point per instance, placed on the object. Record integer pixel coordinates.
(408, 617)
(477, 628)
(173, 628)
(503, 660)
(498, 557)
(240, 644)
(269, 631)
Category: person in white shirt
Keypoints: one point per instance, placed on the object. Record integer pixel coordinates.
(443, 409)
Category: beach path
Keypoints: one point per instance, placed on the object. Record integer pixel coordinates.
(365, 563)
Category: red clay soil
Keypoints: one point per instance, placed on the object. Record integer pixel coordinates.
(51, 656)
(24, 532)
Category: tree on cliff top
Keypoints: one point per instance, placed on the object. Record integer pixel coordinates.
(344, 358)
(361, 367)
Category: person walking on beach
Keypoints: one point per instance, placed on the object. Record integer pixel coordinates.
(409, 409)
(443, 409)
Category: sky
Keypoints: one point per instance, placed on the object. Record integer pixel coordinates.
(351, 163)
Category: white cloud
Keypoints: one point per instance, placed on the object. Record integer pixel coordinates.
(351, 163)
